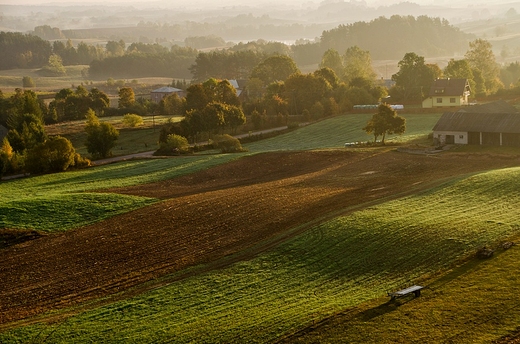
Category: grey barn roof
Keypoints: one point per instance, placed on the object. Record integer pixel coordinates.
(166, 89)
(499, 106)
(479, 122)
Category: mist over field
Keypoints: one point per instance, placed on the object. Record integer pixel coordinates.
(312, 16)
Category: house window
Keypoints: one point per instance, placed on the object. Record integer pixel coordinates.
(439, 100)
(452, 100)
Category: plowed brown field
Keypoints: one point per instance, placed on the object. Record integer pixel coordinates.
(251, 203)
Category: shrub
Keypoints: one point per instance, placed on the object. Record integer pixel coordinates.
(56, 154)
(81, 162)
(175, 144)
(132, 120)
(27, 81)
(227, 144)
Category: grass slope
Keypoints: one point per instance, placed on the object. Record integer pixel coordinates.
(64, 201)
(336, 131)
(331, 268)
(58, 201)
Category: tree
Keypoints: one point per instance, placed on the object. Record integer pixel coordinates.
(114, 48)
(101, 137)
(126, 97)
(55, 66)
(234, 117)
(6, 153)
(193, 123)
(302, 91)
(385, 121)
(99, 101)
(414, 77)
(329, 75)
(213, 116)
(331, 59)
(196, 97)
(73, 105)
(56, 154)
(480, 57)
(358, 64)
(460, 69)
(225, 93)
(26, 131)
(274, 68)
(172, 105)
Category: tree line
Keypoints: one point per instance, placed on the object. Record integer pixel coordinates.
(384, 38)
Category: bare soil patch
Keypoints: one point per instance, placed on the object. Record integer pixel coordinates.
(210, 215)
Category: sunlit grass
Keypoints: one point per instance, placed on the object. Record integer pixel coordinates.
(62, 201)
(336, 131)
(332, 267)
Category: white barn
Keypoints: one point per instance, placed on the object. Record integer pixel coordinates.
(497, 129)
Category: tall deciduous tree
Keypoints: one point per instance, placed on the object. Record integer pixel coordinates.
(385, 121)
(55, 154)
(173, 105)
(302, 91)
(480, 57)
(234, 117)
(358, 64)
(126, 97)
(274, 68)
(101, 136)
(332, 59)
(414, 77)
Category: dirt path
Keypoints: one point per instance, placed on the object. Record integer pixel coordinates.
(209, 215)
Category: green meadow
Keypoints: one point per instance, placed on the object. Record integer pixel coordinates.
(335, 266)
(336, 274)
(62, 201)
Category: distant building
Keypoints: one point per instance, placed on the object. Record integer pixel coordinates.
(238, 85)
(448, 93)
(496, 124)
(157, 95)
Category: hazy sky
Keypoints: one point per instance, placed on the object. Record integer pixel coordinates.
(183, 3)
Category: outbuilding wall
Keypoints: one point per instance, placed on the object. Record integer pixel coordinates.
(450, 137)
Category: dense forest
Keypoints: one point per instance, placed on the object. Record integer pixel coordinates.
(23, 51)
(391, 38)
(384, 38)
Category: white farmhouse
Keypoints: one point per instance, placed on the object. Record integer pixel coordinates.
(447, 93)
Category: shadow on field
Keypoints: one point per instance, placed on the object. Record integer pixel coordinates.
(384, 308)
(10, 237)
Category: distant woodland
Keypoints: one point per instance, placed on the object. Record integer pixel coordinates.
(384, 38)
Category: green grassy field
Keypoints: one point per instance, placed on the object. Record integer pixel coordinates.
(336, 131)
(339, 270)
(131, 140)
(62, 201)
(337, 266)
(38, 202)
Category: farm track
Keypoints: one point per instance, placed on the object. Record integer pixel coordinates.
(236, 210)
